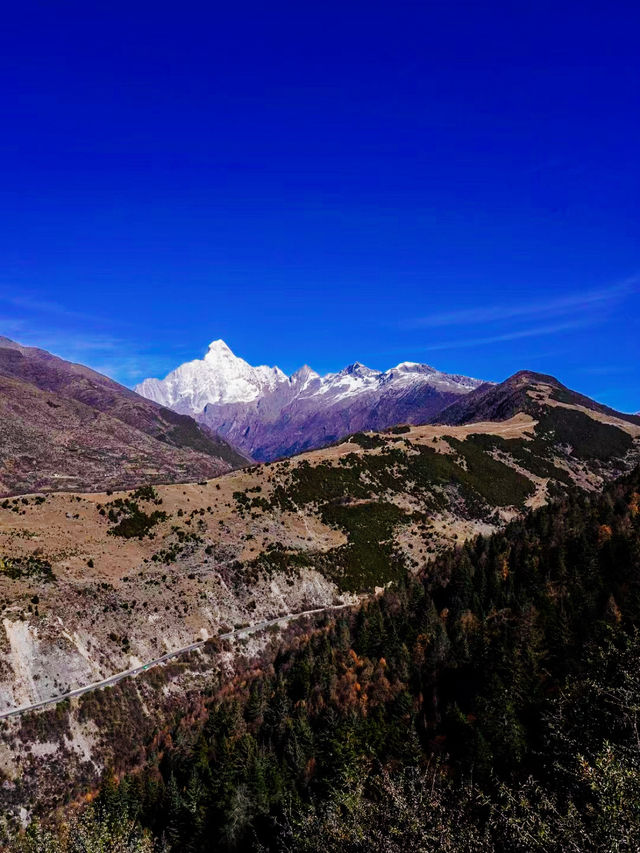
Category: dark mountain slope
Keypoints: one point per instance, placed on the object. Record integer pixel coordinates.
(65, 426)
(491, 705)
(569, 426)
(525, 391)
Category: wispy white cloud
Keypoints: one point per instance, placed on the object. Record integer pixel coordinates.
(132, 369)
(66, 332)
(32, 304)
(608, 370)
(57, 340)
(124, 359)
(583, 301)
(10, 326)
(531, 332)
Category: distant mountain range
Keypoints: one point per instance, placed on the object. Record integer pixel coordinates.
(268, 415)
(65, 426)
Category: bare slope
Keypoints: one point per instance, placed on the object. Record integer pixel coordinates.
(65, 426)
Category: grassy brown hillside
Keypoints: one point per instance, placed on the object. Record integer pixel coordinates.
(129, 575)
(67, 427)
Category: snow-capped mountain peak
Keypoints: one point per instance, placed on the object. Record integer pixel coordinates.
(304, 375)
(268, 414)
(218, 346)
(358, 369)
(413, 367)
(220, 377)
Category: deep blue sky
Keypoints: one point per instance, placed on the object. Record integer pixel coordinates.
(456, 183)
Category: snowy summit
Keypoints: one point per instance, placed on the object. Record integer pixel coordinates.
(268, 414)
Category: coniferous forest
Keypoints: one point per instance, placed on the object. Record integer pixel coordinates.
(492, 704)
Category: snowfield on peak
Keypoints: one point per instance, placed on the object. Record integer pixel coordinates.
(220, 377)
(268, 414)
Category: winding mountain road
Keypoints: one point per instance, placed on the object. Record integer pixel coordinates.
(136, 670)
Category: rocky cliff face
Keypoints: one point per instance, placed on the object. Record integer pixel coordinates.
(269, 415)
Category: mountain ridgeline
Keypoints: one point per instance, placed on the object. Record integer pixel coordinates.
(580, 429)
(269, 415)
(525, 391)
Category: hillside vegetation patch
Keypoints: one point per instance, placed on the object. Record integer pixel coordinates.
(26, 567)
(129, 520)
(588, 438)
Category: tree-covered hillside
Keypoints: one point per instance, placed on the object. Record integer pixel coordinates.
(491, 705)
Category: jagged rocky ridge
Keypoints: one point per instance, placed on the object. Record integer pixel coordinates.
(268, 414)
